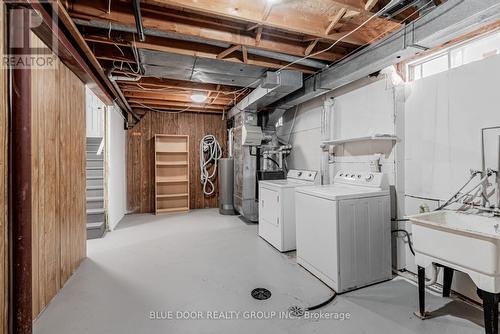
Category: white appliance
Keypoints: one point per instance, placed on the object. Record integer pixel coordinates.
(344, 230)
(277, 208)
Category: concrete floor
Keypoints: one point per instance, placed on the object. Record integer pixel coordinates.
(204, 262)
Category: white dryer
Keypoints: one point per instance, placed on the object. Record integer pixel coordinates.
(344, 230)
(277, 208)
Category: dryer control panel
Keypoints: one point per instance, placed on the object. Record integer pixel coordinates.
(362, 179)
(305, 175)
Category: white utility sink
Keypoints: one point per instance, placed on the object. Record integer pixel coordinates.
(466, 242)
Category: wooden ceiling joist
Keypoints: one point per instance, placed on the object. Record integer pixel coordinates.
(228, 51)
(192, 109)
(156, 83)
(370, 4)
(286, 18)
(336, 19)
(174, 96)
(188, 49)
(94, 10)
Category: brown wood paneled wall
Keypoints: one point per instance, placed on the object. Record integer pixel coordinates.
(58, 176)
(3, 182)
(140, 162)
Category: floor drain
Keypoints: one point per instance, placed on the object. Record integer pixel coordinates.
(296, 311)
(261, 294)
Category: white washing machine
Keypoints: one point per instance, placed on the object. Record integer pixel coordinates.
(277, 208)
(344, 230)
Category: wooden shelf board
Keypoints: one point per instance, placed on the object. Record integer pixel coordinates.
(172, 195)
(169, 180)
(159, 163)
(172, 210)
(171, 152)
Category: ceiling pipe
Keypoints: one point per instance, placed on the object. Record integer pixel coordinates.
(113, 80)
(138, 19)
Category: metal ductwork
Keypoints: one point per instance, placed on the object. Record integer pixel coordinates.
(273, 87)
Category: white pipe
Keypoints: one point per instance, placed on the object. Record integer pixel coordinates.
(434, 278)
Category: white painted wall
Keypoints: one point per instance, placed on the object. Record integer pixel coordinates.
(444, 114)
(365, 111)
(116, 167)
(94, 114)
(438, 119)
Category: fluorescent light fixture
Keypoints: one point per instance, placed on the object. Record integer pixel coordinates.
(198, 97)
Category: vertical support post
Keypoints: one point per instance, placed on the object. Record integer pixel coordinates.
(490, 310)
(447, 279)
(421, 292)
(20, 157)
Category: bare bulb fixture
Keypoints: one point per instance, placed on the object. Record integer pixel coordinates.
(198, 97)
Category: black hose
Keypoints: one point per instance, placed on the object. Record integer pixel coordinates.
(409, 239)
(276, 163)
(320, 305)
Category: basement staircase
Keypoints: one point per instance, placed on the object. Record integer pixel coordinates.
(96, 226)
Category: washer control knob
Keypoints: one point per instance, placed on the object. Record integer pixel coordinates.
(369, 177)
(359, 176)
(299, 173)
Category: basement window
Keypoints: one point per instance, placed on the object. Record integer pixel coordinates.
(475, 49)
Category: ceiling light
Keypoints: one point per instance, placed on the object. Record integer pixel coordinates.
(198, 97)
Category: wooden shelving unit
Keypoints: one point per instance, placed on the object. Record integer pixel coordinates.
(171, 173)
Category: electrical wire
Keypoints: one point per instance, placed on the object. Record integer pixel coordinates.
(320, 305)
(210, 153)
(338, 40)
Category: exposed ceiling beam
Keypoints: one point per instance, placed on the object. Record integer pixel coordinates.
(228, 51)
(174, 96)
(156, 83)
(184, 48)
(336, 19)
(311, 47)
(370, 4)
(170, 30)
(258, 35)
(173, 109)
(156, 103)
(245, 54)
(452, 19)
(285, 18)
(267, 10)
(164, 21)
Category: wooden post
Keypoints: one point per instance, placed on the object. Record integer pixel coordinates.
(20, 156)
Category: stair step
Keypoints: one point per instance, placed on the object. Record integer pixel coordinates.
(95, 177)
(95, 199)
(96, 230)
(94, 225)
(95, 168)
(95, 211)
(95, 188)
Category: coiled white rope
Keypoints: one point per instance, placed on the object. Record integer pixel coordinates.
(210, 153)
